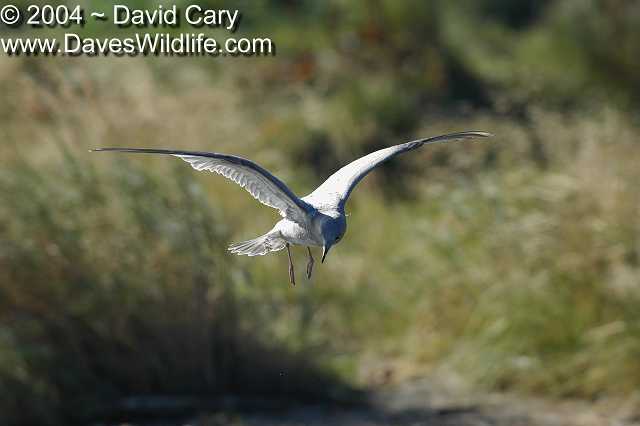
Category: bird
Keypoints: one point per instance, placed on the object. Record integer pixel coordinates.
(316, 220)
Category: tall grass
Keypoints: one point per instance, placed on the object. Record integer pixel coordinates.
(521, 277)
(117, 284)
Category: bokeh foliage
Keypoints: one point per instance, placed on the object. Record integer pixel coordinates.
(514, 261)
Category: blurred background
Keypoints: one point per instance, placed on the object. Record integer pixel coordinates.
(511, 264)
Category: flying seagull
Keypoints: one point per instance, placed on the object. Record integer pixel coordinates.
(318, 219)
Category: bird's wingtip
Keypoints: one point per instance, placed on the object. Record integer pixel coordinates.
(104, 149)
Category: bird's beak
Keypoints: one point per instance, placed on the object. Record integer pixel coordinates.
(325, 250)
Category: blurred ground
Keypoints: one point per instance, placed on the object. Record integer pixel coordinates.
(440, 399)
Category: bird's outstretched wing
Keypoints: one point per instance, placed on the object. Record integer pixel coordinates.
(261, 184)
(334, 192)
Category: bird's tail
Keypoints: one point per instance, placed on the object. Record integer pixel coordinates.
(258, 246)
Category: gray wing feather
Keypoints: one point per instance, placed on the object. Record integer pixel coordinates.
(257, 181)
(335, 191)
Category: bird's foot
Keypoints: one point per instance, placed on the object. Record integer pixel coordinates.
(309, 268)
(310, 264)
(292, 276)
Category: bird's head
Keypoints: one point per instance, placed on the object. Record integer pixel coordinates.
(332, 228)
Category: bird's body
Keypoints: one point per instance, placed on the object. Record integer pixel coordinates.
(309, 234)
(285, 231)
(318, 219)
(293, 233)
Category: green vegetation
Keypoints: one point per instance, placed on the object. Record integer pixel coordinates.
(515, 261)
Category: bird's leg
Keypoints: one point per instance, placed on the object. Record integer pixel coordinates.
(292, 277)
(309, 264)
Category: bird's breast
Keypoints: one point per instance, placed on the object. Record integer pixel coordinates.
(295, 233)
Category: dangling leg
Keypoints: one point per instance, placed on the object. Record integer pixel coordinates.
(309, 264)
(292, 277)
